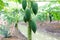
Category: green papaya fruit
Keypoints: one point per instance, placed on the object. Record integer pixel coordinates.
(24, 4)
(32, 24)
(34, 7)
(28, 14)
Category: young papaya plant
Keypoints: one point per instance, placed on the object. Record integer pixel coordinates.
(29, 7)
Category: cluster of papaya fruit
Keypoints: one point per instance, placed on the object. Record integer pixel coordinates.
(27, 17)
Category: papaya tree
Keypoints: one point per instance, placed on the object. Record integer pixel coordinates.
(29, 7)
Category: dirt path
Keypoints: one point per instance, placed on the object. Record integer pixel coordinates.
(45, 31)
(15, 34)
(50, 28)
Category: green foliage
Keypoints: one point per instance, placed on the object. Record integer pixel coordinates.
(56, 12)
(4, 31)
(20, 1)
(34, 7)
(12, 16)
(1, 4)
(53, 8)
(24, 4)
(32, 24)
(58, 1)
(42, 16)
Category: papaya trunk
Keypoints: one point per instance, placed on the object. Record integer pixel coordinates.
(29, 33)
(29, 28)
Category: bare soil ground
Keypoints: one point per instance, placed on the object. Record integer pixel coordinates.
(14, 33)
(52, 28)
(17, 36)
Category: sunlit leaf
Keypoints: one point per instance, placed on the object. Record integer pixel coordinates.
(1, 4)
